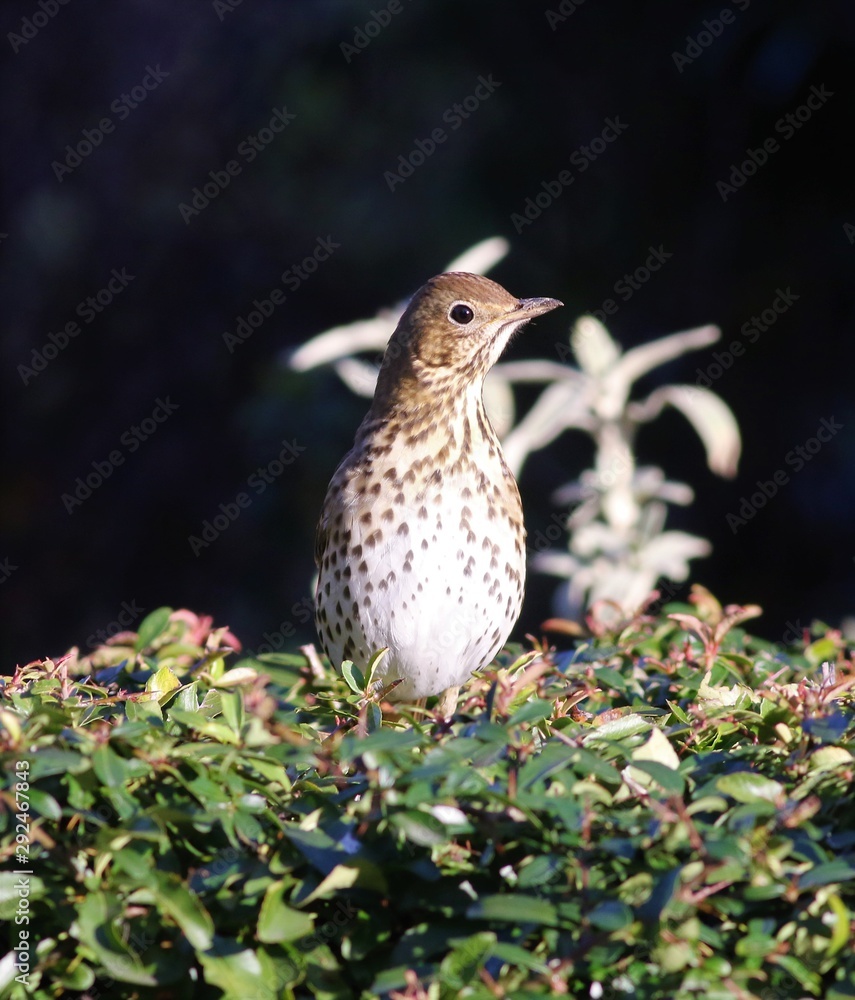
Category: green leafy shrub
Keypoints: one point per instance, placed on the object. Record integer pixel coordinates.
(665, 811)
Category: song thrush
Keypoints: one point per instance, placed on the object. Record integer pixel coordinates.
(420, 544)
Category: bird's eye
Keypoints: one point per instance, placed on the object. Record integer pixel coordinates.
(461, 313)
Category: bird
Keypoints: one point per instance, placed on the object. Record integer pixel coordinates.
(420, 545)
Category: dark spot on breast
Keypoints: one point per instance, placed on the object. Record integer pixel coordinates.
(403, 528)
(365, 518)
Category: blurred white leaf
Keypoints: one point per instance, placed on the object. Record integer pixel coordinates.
(480, 258)
(711, 417)
(593, 346)
(559, 406)
(640, 360)
(344, 341)
(359, 376)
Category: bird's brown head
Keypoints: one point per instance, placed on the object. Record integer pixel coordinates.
(452, 333)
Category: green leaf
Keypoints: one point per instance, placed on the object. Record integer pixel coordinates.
(610, 915)
(830, 873)
(151, 627)
(353, 676)
(617, 729)
(161, 683)
(111, 769)
(800, 972)
(373, 664)
(43, 804)
(533, 710)
(461, 966)
(541, 870)
(820, 650)
(10, 896)
(236, 970)
(147, 710)
(176, 901)
(671, 781)
(278, 922)
(232, 703)
(420, 827)
(746, 786)
(514, 908)
(96, 928)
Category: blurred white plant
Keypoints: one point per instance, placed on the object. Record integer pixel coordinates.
(617, 548)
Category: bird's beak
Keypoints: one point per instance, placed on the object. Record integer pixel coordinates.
(528, 308)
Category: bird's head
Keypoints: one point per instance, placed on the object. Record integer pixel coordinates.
(453, 332)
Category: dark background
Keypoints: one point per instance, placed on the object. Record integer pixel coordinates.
(67, 574)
